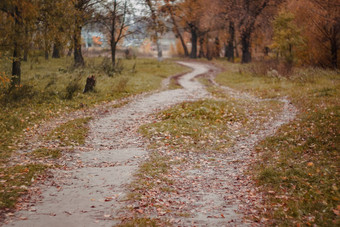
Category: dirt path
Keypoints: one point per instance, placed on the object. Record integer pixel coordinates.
(212, 188)
(90, 190)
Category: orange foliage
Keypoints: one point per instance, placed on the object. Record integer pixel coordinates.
(320, 23)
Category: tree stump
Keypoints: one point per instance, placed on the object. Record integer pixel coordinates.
(90, 83)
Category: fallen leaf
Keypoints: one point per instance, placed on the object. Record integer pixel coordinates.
(310, 164)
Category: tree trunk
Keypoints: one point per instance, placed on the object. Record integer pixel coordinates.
(159, 47)
(69, 52)
(334, 53)
(25, 54)
(26, 46)
(208, 54)
(46, 54)
(113, 53)
(236, 49)
(16, 64)
(159, 50)
(194, 37)
(201, 52)
(78, 57)
(56, 49)
(245, 41)
(229, 51)
(185, 48)
(217, 48)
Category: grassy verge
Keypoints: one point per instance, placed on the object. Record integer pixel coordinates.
(51, 88)
(298, 167)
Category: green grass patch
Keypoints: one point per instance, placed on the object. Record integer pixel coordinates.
(154, 169)
(14, 182)
(47, 153)
(195, 126)
(142, 222)
(73, 132)
(298, 167)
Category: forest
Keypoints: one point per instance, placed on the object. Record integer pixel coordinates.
(302, 32)
(270, 67)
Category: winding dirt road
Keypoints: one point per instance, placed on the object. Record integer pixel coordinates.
(91, 190)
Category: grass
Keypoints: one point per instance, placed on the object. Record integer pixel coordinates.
(54, 87)
(298, 167)
(47, 153)
(142, 222)
(14, 182)
(151, 175)
(70, 133)
(200, 126)
(154, 168)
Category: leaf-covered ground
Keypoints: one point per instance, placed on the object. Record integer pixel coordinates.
(44, 118)
(298, 167)
(202, 150)
(259, 150)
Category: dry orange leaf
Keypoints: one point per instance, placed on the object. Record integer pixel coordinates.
(310, 164)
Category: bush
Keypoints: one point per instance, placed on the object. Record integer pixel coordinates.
(19, 93)
(72, 88)
(122, 84)
(111, 70)
(272, 67)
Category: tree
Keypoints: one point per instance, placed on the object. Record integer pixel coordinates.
(320, 23)
(157, 24)
(287, 36)
(54, 25)
(18, 15)
(116, 23)
(327, 25)
(83, 12)
(229, 50)
(190, 14)
(170, 9)
(249, 12)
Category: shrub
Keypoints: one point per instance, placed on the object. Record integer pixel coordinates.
(121, 85)
(72, 88)
(111, 70)
(271, 67)
(19, 93)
